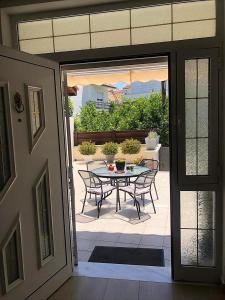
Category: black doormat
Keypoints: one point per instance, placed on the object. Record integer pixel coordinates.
(128, 256)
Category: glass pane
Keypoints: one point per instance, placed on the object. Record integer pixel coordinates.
(71, 25)
(37, 46)
(154, 34)
(196, 116)
(44, 219)
(197, 213)
(5, 170)
(191, 78)
(151, 15)
(203, 78)
(194, 30)
(206, 248)
(72, 42)
(190, 118)
(206, 210)
(34, 128)
(110, 38)
(188, 209)
(36, 102)
(203, 156)
(35, 29)
(110, 20)
(203, 117)
(191, 159)
(12, 260)
(197, 10)
(37, 121)
(188, 247)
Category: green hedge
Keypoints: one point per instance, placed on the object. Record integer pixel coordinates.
(131, 114)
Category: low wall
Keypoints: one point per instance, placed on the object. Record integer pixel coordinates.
(128, 157)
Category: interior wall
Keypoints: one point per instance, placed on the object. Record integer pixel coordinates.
(5, 29)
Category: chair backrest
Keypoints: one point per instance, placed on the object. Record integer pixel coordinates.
(94, 164)
(90, 179)
(151, 164)
(144, 179)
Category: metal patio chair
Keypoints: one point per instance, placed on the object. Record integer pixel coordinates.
(140, 187)
(153, 165)
(93, 185)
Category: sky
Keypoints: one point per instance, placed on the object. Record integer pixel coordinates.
(120, 85)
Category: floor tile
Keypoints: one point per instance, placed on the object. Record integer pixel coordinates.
(121, 289)
(82, 288)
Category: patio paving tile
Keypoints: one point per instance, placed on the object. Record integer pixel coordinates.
(123, 229)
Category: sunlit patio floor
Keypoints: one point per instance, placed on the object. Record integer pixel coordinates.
(123, 229)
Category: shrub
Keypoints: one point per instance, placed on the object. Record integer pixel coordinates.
(110, 148)
(137, 160)
(130, 146)
(152, 135)
(87, 148)
(70, 107)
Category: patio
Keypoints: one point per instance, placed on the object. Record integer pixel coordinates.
(123, 229)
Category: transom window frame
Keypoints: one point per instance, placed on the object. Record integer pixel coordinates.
(7, 100)
(143, 4)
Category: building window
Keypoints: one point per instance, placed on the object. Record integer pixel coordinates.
(35, 114)
(153, 24)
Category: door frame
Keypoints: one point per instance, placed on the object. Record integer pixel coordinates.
(56, 279)
(121, 55)
(171, 58)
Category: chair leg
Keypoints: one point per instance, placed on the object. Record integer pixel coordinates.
(99, 206)
(138, 208)
(143, 199)
(157, 197)
(96, 199)
(152, 202)
(125, 196)
(84, 202)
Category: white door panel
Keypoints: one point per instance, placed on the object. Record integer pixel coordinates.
(39, 204)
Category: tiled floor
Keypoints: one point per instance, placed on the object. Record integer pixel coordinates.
(84, 288)
(123, 229)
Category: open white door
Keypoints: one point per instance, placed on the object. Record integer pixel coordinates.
(35, 245)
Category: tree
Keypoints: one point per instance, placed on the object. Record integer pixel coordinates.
(130, 114)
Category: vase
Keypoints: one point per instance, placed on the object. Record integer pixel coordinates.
(110, 158)
(151, 143)
(120, 165)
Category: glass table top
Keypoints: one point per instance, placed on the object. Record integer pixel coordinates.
(104, 172)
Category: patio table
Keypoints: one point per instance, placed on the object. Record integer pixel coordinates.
(113, 175)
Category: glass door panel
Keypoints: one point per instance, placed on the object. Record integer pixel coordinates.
(196, 218)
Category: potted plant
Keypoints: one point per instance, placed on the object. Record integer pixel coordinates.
(120, 165)
(130, 146)
(152, 140)
(87, 149)
(110, 149)
(69, 111)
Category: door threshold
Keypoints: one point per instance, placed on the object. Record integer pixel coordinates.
(119, 271)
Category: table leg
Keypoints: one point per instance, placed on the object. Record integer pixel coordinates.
(117, 196)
